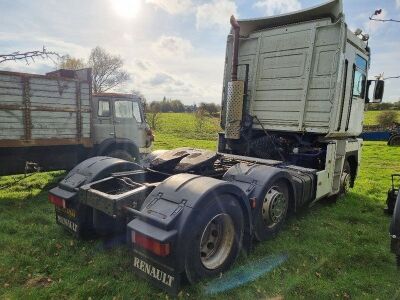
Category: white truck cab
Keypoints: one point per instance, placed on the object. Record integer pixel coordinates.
(295, 87)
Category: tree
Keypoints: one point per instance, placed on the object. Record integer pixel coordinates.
(177, 106)
(211, 108)
(153, 112)
(71, 63)
(200, 118)
(107, 70)
(30, 55)
(142, 98)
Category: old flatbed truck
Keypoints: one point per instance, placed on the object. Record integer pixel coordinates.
(54, 121)
(294, 91)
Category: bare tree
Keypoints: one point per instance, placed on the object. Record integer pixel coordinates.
(142, 98)
(200, 118)
(30, 55)
(153, 112)
(71, 63)
(107, 70)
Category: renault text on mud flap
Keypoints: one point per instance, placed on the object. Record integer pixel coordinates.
(152, 271)
(64, 221)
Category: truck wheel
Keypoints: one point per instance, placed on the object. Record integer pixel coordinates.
(217, 239)
(345, 183)
(122, 154)
(345, 179)
(272, 211)
(394, 140)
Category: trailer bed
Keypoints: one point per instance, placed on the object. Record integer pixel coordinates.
(40, 110)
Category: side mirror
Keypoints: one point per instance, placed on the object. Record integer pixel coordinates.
(378, 91)
(377, 95)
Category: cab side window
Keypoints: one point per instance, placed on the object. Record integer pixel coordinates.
(136, 112)
(359, 77)
(123, 109)
(104, 108)
(127, 109)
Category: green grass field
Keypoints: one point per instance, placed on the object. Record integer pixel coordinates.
(371, 117)
(334, 250)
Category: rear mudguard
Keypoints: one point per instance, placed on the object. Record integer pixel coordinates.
(90, 170)
(253, 179)
(167, 212)
(395, 228)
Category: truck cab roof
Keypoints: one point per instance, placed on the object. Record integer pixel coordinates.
(332, 9)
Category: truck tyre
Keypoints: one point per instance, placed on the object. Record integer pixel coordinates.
(345, 179)
(394, 140)
(122, 154)
(345, 183)
(217, 239)
(272, 211)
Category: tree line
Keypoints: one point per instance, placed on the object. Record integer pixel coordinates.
(176, 106)
(201, 111)
(384, 106)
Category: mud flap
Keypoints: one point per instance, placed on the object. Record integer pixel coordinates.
(162, 276)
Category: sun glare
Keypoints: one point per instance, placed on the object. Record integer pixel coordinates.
(126, 8)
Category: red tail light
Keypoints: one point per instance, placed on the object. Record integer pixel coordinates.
(151, 244)
(57, 201)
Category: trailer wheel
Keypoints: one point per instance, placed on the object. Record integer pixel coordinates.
(272, 211)
(217, 239)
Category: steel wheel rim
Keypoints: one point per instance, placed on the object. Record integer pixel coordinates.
(345, 182)
(274, 207)
(216, 241)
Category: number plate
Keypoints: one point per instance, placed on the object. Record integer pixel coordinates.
(67, 218)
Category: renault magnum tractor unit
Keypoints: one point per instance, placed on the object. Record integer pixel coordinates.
(294, 91)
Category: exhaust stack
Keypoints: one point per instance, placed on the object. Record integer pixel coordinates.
(235, 92)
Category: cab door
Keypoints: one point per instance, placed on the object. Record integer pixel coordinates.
(125, 123)
(103, 124)
(358, 67)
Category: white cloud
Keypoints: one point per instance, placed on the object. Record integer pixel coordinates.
(276, 7)
(398, 3)
(173, 7)
(161, 78)
(215, 13)
(161, 61)
(128, 37)
(172, 46)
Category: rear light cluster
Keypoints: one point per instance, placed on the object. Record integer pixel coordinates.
(57, 201)
(150, 244)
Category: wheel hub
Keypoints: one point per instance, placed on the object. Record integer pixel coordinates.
(216, 241)
(274, 207)
(346, 178)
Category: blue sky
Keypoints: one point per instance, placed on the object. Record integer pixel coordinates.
(172, 48)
